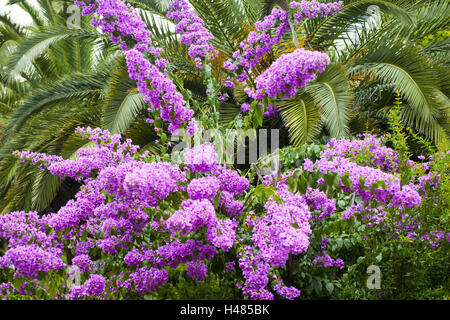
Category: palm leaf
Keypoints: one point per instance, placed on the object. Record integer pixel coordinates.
(74, 87)
(124, 103)
(331, 93)
(301, 117)
(325, 31)
(404, 68)
(35, 45)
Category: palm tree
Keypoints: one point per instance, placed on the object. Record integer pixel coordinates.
(55, 78)
(367, 63)
(371, 62)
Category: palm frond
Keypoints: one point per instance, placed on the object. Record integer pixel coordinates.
(124, 104)
(404, 68)
(327, 30)
(302, 118)
(74, 87)
(40, 40)
(331, 93)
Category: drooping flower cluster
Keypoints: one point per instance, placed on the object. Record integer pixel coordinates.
(192, 31)
(256, 275)
(313, 9)
(127, 28)
(288, 73)
(109, 149)
(262, 39)
(258, 43)
(283, 230)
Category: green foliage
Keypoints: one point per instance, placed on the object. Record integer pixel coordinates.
(409, 270)
(53, 79)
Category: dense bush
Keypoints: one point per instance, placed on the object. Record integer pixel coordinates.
(138, 227)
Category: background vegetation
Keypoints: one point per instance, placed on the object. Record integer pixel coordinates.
(54, 78)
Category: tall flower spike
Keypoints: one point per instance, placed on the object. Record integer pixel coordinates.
(128, 29)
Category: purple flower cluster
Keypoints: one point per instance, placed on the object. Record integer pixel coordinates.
(245, 107)
(201, 158)
(288, 292)
(271, 110)
(367, 147)
(147, 183)
(28, 260)
(146, 279)
(283, 230)
(256, 275)
(94, 286)
(319, 202)
(109, 149)
(192, 31)
(364, 182)
(197, 270)
(231, 181)
(195, 214)
(129, 30)
(83, 262)
(258, 43)
(324, 260)
(232, 206)
(203, 188)
(192, 215)
(313, 9)
(288, 73)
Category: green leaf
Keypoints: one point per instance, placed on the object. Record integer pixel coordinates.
(292, 183)
(124, 104)
(258, 117)
(40, 40)
(362, 183)
(405, 68)
(331, 93)
(331, 178)
(379, 257)
(301, 116)
(330, 287)
(346, 180)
